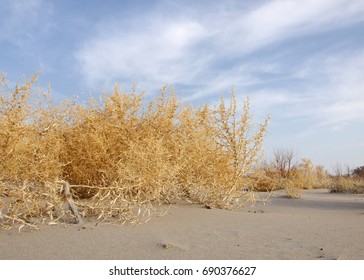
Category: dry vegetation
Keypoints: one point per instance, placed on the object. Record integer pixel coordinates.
(120, 158)
(347, 184)
(285, 173)
(346, 180)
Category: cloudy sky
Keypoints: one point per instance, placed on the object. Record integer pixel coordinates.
(300, 61)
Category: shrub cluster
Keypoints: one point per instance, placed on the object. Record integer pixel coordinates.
(120, 157)
(293, 177)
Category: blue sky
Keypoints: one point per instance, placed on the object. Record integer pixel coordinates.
(300, 61)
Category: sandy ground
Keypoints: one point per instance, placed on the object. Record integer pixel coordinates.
(320, 225)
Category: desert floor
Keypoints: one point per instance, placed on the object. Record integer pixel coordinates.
(320, 225)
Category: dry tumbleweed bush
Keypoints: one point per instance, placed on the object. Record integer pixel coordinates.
(292, 177)
(348, 184)
(118, 158)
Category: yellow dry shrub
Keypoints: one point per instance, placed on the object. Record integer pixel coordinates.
(29, 136)
(306, 176)
(293, 190)
(309, 176)
(30, 145)
(303, 176)
(340, 184)
(121, 158)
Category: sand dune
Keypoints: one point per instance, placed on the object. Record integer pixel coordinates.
(320, 225)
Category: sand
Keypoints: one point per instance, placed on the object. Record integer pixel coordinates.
(320, 225)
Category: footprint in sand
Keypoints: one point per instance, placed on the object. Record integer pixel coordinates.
(170, 246)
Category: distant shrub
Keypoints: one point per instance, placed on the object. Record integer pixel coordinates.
(347, 181)
(359, 172)
(292, 189)
(284, 162)
(282, 173)
(346, 184)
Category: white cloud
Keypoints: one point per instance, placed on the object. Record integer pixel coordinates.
(333, 96)
(275, 21)
(214, 51)
(155, 54)
(164, 49)
(23, 20)
(345, 90)
(278, 20)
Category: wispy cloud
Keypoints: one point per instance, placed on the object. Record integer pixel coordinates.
(237, 46)
(155, 53)
(23, 20)
(279, 20)
(333, 95)
(344, 92)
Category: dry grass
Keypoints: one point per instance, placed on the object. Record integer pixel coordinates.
(121, 158)
(305, 175)
(292, 190)
(347, 184)
(293, 179)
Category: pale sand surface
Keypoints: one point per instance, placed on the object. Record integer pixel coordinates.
(320, 225)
